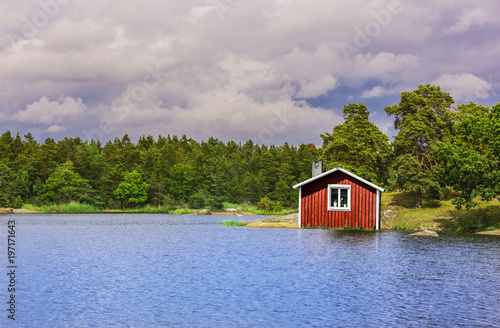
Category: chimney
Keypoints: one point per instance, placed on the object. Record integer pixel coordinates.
(317, 168)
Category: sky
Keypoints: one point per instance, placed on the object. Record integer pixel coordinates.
(273, 71)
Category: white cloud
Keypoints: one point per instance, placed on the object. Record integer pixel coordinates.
(464, 86)
(386, 67)
(55, 129)
(318, 87)
(376, 92)
(231, 115)
(45, 111)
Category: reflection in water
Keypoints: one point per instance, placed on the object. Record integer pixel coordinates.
(188, 271)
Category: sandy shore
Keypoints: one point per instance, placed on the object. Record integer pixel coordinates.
(491, 233)
(16, 211)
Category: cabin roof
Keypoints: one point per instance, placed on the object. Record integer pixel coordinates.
(333, 171)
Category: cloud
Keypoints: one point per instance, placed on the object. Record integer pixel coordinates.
(316, 88)
(376, 92)
(464, 86)
(469, 18)
(55, 129)
(45, 111)
(384, 66)
(223, 67)
(230, 116)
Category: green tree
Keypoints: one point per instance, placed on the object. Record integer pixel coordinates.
(133, 190)
(5, 185)
(182, 181)
(358, 146)
(65, 185)
(423, 118)
(472, 157)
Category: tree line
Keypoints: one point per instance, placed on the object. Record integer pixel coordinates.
(165, 171)
(438, 146)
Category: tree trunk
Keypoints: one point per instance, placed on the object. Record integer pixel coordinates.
(418, 196)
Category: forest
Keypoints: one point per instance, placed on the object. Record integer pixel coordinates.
(438, 147)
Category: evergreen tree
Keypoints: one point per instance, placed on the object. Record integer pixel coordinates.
(358, 146)
(65, 185)
(423, 118)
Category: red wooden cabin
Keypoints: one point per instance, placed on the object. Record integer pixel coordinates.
(338, 199)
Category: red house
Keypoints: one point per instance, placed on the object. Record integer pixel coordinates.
(338, 199)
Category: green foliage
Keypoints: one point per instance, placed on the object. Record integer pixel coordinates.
(65, 185)
(358, 146)
(424, 119)
(179, 171)
(233, 223)
(472, 157)
(182, 181)
(133, 190)
(481, 220)
(265, 204)
(71, 207)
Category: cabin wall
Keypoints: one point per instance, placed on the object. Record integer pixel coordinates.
(314, 207)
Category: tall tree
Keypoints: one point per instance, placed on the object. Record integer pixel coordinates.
(358, 145)
(423, 118)
(472, 157)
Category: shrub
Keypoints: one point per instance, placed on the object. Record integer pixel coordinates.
(265, 204)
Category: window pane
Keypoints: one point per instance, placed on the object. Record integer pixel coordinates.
(334, 198)
(343, 197)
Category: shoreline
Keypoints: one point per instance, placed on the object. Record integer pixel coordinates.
(9, 210)
(286, 221)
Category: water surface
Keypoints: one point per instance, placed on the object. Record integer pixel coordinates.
(154, 270)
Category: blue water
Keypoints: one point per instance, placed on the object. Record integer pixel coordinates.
(151, 270)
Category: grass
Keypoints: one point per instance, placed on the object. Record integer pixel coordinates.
(439, 214)
(72, 207)
(253, 209)
(76, 207)
(233, 223)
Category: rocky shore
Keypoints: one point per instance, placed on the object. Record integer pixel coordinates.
(289, 221)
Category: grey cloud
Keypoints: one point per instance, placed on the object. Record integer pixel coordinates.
(223, 71)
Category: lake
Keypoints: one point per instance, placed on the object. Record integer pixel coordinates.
(155, 270)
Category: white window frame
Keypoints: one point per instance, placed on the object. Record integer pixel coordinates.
(337, 208)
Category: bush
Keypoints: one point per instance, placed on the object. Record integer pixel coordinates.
(477, 220)
(265, 204)
(17, 202)
(198, 199)
(277, 207)
(215, 203)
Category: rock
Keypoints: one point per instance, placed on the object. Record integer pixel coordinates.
(292, 218)
(205, 212)
(424, 233)
(386, 216)
(6, 210)
(389, 214)
(231, 210)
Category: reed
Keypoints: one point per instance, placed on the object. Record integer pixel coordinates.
(72, 207)
(233, 223)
